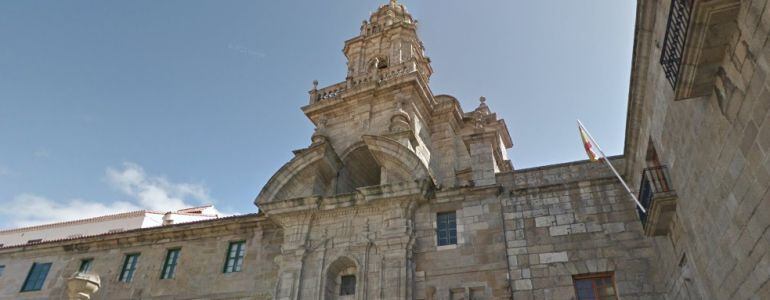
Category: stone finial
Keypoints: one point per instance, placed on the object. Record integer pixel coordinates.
(314, 96)
(82, 286)
(393, 3)
(483, 108)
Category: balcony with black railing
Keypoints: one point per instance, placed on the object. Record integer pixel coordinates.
(657, 196)
(697, 37)
(674, 41)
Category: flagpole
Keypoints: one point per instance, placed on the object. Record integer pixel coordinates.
(606, 160)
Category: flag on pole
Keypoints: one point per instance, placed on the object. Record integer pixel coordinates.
(587, 144)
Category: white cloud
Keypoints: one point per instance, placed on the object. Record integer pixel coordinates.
(5, 171)
(143, 191)
(156, 192)
(29, 209)
(245, 50)
(42, 153)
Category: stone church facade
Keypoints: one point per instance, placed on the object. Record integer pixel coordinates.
(402, 194)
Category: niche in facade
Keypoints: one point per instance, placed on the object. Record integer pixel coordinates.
(341, 279)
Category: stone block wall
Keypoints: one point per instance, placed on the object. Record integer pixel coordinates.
(474, 267)
(573, 219)
(717, 150)
(199, 272)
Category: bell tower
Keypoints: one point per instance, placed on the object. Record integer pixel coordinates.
(388, 38)
(383, 147)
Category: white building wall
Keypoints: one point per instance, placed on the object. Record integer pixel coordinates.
(94, 226)
(69, 230)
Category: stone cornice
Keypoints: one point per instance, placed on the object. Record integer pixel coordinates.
(643, 39)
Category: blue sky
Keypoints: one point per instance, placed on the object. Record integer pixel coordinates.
(116, 105)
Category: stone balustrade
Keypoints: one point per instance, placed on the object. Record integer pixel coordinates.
(377, 76)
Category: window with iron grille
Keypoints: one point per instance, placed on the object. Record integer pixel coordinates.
(654, 180)
(347, 285)
(235, 253)
(129, 266)
(446, 228)
(85, 265)
(673, 42)
(36, 277)
(169, 265)
(600, 286)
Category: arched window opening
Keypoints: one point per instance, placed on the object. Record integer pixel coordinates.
(359, 169)
(341, 280)
(378, 63)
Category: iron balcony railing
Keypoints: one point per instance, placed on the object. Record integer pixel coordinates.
(673, 43)
(655, 180)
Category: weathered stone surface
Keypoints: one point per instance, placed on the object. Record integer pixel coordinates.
(388, 156)
(203, 248)
(712, 145)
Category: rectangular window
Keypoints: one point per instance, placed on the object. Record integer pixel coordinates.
(446, 228)
(235, 254)
(599, 286)
(169, 266)
(85, 265)
(2, 270)
(36, 277)
(347, 285)
(129, 266)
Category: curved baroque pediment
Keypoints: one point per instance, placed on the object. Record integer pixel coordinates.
(315, 171)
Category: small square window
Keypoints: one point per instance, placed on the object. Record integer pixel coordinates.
(169, 266)
(129, 267)
(347, 285)
(600, 286)
(446, 228)
(85, 265)
(36, 277)
(235, 253)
